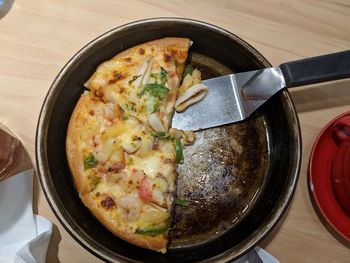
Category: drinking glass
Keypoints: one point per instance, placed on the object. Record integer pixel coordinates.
(13, 158)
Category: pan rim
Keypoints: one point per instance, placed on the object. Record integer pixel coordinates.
(43, 167)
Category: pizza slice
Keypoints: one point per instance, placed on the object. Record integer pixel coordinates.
(119, 148)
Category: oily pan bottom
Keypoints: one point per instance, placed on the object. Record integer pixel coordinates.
(222, 173)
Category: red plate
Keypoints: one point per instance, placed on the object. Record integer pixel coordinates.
(322, 155)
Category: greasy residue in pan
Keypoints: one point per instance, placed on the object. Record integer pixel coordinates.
(222, 175)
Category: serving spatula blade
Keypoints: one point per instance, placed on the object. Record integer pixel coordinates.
(235, 97)
(230, 98)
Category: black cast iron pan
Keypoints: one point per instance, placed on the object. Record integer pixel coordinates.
(239, 178)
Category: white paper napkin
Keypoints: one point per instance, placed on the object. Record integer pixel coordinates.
(24, 237)
(264, 256)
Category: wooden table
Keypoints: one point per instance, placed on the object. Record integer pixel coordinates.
(37, 37)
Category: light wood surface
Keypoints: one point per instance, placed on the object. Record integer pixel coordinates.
(38, 37)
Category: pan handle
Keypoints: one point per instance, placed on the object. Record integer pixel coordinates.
(317, 69)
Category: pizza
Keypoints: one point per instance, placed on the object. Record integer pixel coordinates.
(121, 151)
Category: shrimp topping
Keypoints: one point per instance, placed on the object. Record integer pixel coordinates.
(131, 207)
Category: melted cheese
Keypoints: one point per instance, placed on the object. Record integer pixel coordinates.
(151, 165)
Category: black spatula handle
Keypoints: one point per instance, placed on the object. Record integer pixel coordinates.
(317, 69)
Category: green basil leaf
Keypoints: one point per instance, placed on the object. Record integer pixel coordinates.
(156, 90)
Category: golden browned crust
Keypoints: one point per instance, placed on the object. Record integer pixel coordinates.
(167, 42)
(159, 45)
(155, 243)
(74, 155)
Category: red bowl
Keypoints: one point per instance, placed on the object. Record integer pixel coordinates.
(341, 176)
(320, 180)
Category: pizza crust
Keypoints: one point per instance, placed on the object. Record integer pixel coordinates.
(157, 243)
(74, 155)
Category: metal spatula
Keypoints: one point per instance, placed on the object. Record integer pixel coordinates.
(235, 97)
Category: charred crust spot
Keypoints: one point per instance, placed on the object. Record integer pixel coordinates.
(102, 169)
(117, 76)
(141, 51)
(168, 161)
(91, 112)
(160, 175)
(128, 59)
(167, 57)
(98, 93)
(97, 194)
(116, 167)
(131, 182)
(108, 202)
(136, 138)
(94, 141)
(155, 145)
(152, 49)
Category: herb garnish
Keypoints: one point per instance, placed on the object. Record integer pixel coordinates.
(162, 135)
(95, 180)
(156, 90)
(134, 78)
(178, 151)
(161, 77)
(188, 70)
(152, 230)
(181, 202)
(89, 161)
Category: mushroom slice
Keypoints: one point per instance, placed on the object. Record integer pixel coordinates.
(190, 97)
